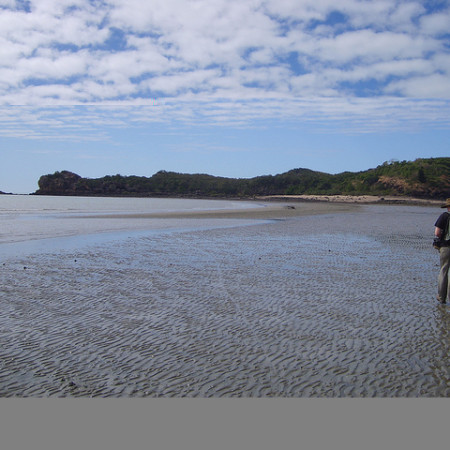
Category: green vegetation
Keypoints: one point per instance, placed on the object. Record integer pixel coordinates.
(422, 178)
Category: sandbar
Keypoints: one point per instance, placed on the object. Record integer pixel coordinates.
(263, 210)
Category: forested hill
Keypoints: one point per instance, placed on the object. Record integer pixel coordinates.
(422, 178)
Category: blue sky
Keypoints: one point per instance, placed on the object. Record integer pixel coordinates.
(234, 88)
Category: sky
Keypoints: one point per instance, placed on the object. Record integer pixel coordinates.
(234, 88)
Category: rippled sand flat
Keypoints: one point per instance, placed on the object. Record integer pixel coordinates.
(330, 305)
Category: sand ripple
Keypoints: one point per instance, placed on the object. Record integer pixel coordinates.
(302, 307)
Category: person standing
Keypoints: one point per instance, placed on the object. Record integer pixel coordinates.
(442, 243)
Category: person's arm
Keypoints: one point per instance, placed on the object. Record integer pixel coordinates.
(441, 225)
(438, 232)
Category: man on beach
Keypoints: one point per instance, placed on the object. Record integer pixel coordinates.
(442, 232)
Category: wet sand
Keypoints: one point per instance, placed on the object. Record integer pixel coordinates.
(334, 302)
(262, 210)
(67, 224)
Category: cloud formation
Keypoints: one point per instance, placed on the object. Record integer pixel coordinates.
(270, 56)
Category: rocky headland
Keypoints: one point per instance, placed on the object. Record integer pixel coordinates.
(426, 179)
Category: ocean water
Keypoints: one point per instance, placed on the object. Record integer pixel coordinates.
(29, 204)
(31, 219)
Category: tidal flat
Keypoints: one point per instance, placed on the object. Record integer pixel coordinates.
(334, 301)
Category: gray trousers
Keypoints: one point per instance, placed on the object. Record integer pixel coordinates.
(444, 279)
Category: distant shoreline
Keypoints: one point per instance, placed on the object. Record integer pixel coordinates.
(359, 199)
(347, 199)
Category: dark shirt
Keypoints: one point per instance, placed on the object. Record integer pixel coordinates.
(442, 221)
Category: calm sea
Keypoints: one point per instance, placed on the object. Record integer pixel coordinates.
(30, 204)
(30, 219)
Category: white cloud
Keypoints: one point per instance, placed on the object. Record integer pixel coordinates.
(179, 82)
(441, 63)
(260, 54)
(48, 64)
(436, 24)
(368, 46)
(434, 85)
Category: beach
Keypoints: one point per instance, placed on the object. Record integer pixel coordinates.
(359, 199)
(280, 300)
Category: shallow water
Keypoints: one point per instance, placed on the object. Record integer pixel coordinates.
(33, 218)
(336, 305)
(44, 204)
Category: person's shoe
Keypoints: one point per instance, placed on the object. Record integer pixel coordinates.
(439, 299)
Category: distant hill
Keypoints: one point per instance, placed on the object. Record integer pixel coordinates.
(422, 178)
